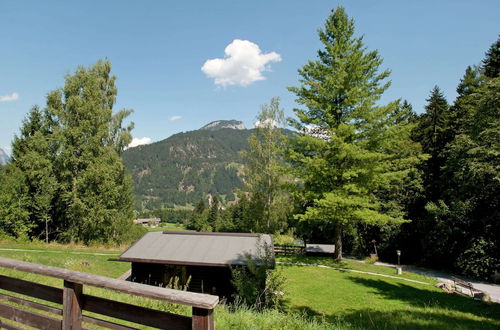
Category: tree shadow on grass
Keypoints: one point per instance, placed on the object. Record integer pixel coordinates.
(397, 319)
(428, 309)
(415, 319)
(320, 260)
(422, 297)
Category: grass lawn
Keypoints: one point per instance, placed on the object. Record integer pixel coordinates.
(355, 265)
(317, 298)
(367, 301)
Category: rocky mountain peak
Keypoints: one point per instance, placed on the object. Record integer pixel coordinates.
(220, 124)
(4, 158)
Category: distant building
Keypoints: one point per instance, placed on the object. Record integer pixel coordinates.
(151, 222)
(320, 249)
(159, 257)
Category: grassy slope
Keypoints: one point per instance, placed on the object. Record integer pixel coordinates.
(355, 265)
(318, 298)
(369, 301)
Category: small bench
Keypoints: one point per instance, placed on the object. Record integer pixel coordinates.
(466, 285)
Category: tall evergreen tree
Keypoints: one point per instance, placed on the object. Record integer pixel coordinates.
(462, 228)
(464, 106)
(32, 154)
(351, 148)
(433, 134)
(491, 63)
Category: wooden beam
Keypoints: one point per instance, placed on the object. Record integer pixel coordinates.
(104, 324)
(31, 304)
(136, 314)
(203, 319)
(31, 289)
(72, 306)
(175, 296)
(8, 326)
(29, 318)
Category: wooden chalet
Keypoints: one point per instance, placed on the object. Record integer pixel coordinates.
(159, 257)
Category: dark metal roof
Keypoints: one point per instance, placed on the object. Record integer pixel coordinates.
(320, 248)
(191, 248)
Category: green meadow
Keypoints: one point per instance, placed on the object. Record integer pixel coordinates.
(316, 297)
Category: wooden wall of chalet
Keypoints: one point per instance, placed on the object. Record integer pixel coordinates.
(204, 279)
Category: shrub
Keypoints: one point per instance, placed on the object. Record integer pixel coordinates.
(373, 258)
(258, 284)
(285, 238)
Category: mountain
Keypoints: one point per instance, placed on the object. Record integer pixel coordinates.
(188, 166)
(219, 124)
(4, 158)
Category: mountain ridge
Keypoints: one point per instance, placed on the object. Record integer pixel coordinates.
(188, 166)
(220, 124)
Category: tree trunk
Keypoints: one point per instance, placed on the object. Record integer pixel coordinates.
(337, 255)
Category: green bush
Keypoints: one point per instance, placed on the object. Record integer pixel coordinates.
(479, 259)
(373, 258)
(258, 284)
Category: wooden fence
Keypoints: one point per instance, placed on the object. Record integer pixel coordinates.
(280, 249)
(74, 301)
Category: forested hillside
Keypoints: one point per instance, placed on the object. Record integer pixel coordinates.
(185, 167)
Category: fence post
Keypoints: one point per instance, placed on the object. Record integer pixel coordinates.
(72, 306)
(203, 319)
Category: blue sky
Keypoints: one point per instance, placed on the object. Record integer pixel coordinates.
(158, 49)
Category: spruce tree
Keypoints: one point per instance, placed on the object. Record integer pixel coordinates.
(491, 63)
(462, 110)
(433, 133)
(33, 154)
(351, 149)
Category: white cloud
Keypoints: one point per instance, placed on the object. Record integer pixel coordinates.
(176, 117)
(7, 148)
(12, 97)
(243, 64)
(137, 142)
(267, 123)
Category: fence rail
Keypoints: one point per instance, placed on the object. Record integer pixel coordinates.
(74, 301)
(281, 249)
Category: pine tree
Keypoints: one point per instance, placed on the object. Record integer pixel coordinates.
(350, 148)
(32, 154)
(463, 227)
(491, 63)
(463, 108)
(433, 133)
